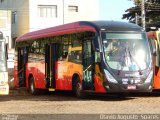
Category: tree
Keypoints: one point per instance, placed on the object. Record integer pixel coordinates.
(152, 12)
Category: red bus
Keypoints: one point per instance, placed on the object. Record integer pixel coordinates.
(98, 56)
(154, 39)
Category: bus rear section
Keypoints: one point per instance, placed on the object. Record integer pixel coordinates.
(98, 57)
(154, 39)
(4, 86)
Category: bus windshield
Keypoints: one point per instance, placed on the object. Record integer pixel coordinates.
(126, 51)
(3, 66)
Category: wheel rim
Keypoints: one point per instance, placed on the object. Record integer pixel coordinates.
(32, 87)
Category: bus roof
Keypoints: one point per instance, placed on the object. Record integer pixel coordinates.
(80, 27)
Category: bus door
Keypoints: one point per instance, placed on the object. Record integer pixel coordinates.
(22, 60)
(88, 72)
(50, 65)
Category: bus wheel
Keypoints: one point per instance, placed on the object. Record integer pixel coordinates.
(78, 89)
(32, 88)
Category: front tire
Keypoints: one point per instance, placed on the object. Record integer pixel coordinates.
(78, 89)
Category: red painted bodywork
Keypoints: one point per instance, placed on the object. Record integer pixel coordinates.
(99, 85)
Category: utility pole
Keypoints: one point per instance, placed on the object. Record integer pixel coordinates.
(63, 10)
(143, 13)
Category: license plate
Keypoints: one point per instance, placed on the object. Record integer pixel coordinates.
(131, 87)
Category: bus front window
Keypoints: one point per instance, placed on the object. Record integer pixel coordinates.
(126, 51)
(2, 56)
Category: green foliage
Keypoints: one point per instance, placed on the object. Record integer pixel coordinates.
(152, 11)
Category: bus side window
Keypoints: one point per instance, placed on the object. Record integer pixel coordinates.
(65, 54)
(75, 56)
(78, 56)
(71, 56)
(62, 52)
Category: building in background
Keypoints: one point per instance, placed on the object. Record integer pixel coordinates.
(30, 15)
(5, 25)
(18, 17)
(5, 28)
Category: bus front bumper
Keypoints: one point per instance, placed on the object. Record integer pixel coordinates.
(112, 87)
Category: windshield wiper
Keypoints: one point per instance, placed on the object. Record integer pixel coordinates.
(119, 71)
(133, 59)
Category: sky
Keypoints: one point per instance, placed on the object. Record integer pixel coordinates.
(114, 9)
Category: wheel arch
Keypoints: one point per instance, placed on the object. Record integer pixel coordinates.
(74, 79)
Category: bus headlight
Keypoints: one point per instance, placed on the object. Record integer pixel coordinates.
(110, 78)
(149, 78)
